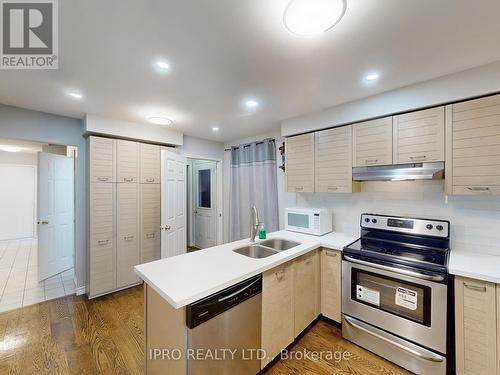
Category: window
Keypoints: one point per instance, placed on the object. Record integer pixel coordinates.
(205, 188)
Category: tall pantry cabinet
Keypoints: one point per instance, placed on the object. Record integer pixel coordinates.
(123, 210)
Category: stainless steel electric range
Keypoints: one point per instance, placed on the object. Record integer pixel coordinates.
(396, 292)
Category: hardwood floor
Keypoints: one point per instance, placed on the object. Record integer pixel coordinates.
(73, 335)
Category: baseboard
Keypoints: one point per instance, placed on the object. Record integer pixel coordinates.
(81, 290)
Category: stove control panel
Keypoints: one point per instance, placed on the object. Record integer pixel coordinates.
(422, 227)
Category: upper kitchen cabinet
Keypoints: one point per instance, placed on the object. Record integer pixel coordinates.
(419, 136)
(372, 142)
(334, 161)
(150, 163)
(473, 147)
(300, 163)
(101, 158)
(127, 154)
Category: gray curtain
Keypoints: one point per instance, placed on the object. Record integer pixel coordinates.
(253, 183)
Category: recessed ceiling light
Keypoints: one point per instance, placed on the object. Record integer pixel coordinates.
(251, 103)
(215, 128)
(159, 120)
(372, 77)
(75, 95)
(309, 17)
(162, 64)
(9, 148)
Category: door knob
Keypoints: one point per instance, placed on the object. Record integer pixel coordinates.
(165, 227)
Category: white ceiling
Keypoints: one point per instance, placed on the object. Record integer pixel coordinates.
(222, 51)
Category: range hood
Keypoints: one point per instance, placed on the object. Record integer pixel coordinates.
(400, 172)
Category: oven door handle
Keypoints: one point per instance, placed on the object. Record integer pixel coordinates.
(416, 274)
(424, 354)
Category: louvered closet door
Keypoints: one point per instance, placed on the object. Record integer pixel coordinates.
(300, 163)
(101, 159)
(127, 156)
(150, 222)
(334, 160)
(419, 136)
(476, 147)
(372, 143)
(102, 238)
(150, 164)
(127, 253)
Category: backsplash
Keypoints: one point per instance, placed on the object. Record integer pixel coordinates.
(475, 220)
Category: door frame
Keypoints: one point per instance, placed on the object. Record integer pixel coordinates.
(218, 195)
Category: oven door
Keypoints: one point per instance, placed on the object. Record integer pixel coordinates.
(406, 306)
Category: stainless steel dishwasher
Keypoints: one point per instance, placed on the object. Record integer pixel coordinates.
(224, 331)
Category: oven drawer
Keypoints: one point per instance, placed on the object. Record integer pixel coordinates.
(403, 353)
(407, 306)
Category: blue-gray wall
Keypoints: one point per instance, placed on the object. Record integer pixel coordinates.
(18, 123)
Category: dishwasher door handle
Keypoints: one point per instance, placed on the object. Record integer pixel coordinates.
(237, 292)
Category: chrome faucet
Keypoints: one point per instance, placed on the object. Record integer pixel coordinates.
(254, 223)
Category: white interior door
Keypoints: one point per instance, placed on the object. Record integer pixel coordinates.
(17, 201)
(173, 204)
(56, 228)
(205, 203)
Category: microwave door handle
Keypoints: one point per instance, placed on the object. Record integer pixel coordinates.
(428, 356)
(416, 274)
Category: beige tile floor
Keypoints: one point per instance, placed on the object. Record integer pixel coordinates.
(19, 284)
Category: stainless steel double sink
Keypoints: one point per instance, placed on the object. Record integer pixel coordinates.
(266, 248)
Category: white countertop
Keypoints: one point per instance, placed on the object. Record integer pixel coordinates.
(187, 278)
(475, 265)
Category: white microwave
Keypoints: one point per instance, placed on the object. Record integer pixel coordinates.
(316, 221)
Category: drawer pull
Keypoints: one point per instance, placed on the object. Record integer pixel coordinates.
(128, 179)
(102, 242)
(280, 275)
(331, 254)
(476, 288)
(128, 238)
(478, 188)
(308, 261)
(299, 188)
(418, 157)
(333, 188)
(102, 178)
(371, 161)
(150, 235)
(150, 180)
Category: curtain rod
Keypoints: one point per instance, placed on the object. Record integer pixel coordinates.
(249, 144)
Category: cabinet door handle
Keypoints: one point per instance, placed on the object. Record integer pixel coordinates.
(150, 180)
(128, 179)
(102, 242)
(331, 254)
(418, 157)
(128, 238)
(308, 261)
(478, 188)
(297, 188)
(476, 288)
(371, 161)
(150, 235)
(102, 178)
(280, 275)
(332, 188)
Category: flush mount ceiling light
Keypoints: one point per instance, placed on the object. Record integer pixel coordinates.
(159, 120)
(162, 64)
(9, 148)
(309, 17)
(215, 128)
(251, 103)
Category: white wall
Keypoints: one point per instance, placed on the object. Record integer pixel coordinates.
(18, 200)
(198, 148)
(454, 87)
(284, 199)
(475, 220)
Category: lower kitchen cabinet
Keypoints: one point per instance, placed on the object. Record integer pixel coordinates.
(331, 279)
(277, 311)
(306, 293)
(477, 316)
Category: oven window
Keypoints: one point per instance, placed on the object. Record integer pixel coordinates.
(404, 299)
(298, 220)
